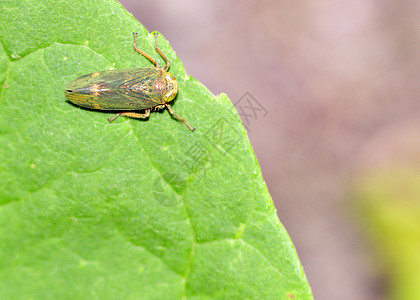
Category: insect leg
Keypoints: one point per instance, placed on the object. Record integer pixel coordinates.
(144, 53)
(132, 115)
(178, 117)
(161, 54)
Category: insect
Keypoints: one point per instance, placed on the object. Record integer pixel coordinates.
(128, 90)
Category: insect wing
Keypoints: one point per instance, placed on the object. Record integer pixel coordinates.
(126, 89)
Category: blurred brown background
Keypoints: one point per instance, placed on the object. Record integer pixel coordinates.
(340, 82)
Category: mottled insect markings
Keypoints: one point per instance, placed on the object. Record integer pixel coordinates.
(127, 90)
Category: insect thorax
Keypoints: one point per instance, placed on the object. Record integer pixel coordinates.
(170, 85)
(159, 85)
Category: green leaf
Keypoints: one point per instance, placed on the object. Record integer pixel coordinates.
(136, 209)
